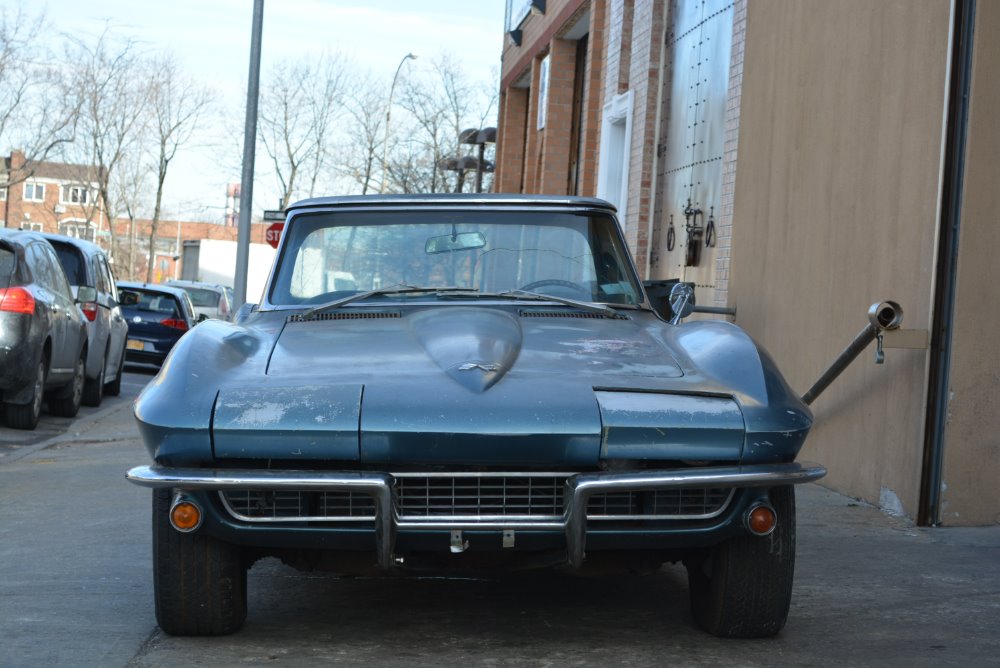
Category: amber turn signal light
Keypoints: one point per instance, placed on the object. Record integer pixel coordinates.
(185, 516)
(761, 520)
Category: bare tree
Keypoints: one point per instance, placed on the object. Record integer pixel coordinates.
(365, 133)
(33, 116)
(176, 104)
(105, 77)
(298, 106)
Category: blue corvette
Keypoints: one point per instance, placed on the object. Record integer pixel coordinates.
(455, 382)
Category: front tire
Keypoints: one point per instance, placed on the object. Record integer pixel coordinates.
(742, 588)
(68, 404)
(199, 582)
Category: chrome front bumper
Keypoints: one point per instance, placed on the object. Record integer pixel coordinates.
(578, 490)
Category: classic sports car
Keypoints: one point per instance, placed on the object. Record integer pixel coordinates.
(494, 390)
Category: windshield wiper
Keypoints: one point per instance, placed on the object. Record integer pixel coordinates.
(592, 307)
(399, 289)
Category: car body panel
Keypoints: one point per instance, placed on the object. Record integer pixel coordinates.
(86, 264)
(55, 328)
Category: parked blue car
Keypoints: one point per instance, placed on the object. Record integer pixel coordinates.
(157, 316)
(492, 388)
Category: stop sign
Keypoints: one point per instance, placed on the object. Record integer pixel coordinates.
(273, 234)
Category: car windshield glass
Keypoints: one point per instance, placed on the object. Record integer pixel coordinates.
(72, 263)
(329, 256)
(203, 298)
(153, 302)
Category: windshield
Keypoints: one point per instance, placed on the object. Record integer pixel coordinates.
(333, 255)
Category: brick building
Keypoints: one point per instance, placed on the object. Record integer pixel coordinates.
(62, 198)
(798, 161)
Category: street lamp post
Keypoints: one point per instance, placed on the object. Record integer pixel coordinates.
(388, 113)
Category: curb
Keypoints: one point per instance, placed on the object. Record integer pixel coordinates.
(68, 435)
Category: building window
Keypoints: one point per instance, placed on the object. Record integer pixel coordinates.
(78, 229)
(76, 195)
(543, 91)
(32, 227)
(3, 194)
(34, 192)
(616, 136)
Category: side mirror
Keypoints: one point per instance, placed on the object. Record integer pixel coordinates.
(681, 301)
(202, 317)
(85, 294)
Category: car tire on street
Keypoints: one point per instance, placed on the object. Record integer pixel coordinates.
(25, 416)
(93, 389)
(742, 588)
(114, 388)
(199, 582)
(66, 403)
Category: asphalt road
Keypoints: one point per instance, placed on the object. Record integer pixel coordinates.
(76, 588)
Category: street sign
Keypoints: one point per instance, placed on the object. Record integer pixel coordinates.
(273, 234)
(273, 215)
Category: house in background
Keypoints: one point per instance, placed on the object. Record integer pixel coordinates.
(54, 197)
(798, 162)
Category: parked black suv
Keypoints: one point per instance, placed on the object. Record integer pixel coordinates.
(43, 336)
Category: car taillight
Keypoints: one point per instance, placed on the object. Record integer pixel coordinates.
(175, 323)
(90, 310)
(17, 300)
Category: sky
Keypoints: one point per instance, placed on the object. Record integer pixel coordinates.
(211, 40)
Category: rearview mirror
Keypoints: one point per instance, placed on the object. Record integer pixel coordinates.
(455, 242)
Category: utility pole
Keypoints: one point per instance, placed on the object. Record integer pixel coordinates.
(249, 153)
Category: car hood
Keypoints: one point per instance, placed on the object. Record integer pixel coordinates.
(476, 348)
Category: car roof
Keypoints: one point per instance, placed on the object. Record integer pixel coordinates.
(159, 287)
(455, 199)
(87, 247)
(20, 237)
(180, 282)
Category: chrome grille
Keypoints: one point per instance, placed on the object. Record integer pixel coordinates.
(345, 315)
(663, 504)
(536, 313)
(480, 497)
(471, 498)
(277, 506)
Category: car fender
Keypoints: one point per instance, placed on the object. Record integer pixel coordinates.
(174, 411)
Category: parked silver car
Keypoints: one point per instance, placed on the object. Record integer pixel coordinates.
(209, 299)
(86, 265)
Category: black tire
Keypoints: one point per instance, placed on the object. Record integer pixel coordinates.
(199, 582)
(26, 416)
(66, 403)
(114, 388)
(93, 388)
(742, 588)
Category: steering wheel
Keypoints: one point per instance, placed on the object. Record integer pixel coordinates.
(576, 287)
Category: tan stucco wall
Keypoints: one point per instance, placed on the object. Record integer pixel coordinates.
(835, 208)
(972, 437)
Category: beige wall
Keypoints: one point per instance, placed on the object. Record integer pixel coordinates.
(835, 207)
(972, 436)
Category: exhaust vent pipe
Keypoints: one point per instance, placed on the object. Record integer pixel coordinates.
(882, 316)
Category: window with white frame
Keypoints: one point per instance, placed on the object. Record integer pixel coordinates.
(616, 137)
(32, 227)
(79, 229)
(76, 195)
(3, 194)
(34, 192)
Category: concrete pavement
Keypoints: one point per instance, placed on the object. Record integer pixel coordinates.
(76, 589)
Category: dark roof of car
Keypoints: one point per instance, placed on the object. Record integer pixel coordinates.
(456, 199)
(84, 245)
(159, 287)
(20, 237)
